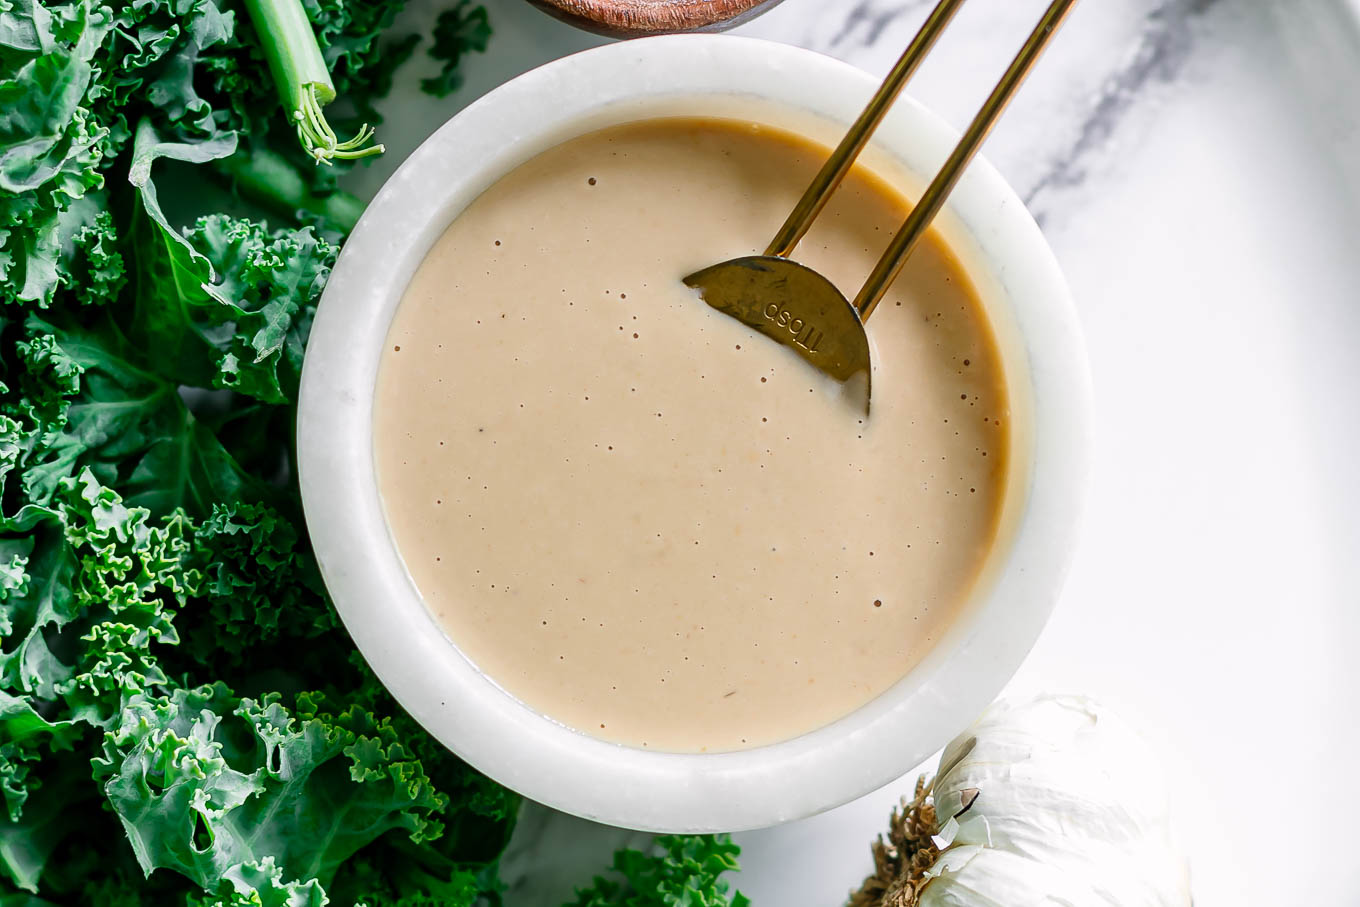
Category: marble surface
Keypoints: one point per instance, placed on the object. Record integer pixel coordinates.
(1193, 164)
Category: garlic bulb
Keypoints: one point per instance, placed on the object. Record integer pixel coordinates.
(1051, 801)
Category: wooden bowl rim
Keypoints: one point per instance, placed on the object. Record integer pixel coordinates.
(648, 16)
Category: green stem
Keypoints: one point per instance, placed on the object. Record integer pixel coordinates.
(267, 179)
(303, 82)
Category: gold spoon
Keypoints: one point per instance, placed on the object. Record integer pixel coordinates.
(793, 304)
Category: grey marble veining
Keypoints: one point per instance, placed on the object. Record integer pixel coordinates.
(1159, 54)
(1046, 119)
(866, 21)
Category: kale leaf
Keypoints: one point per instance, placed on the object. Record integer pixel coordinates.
(680, 869)
(183, 722)
(461, 29)
(303, 787)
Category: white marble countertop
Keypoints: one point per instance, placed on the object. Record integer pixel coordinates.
(1188, 166)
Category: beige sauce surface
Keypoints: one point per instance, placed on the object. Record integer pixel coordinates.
(637, 515)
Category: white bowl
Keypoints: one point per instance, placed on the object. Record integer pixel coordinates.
(1043, 357)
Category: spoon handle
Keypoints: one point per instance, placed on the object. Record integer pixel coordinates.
(890, 265)
(843, 158)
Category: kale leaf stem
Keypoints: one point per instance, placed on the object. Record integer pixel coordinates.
(304, 84)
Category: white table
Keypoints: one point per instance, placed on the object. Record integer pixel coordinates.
(1181, 162)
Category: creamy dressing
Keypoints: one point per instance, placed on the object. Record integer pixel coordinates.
(640, 517)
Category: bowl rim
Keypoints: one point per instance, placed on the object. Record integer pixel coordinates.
(377, 600)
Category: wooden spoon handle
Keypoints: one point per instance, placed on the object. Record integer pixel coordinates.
(843, 158)
(890, 265)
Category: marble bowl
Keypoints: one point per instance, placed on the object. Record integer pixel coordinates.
(1042, 353)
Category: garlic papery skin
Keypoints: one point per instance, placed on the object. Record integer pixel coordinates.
(1053, 801)
(973, 876)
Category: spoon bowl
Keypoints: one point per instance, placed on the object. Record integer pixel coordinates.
(793, 305)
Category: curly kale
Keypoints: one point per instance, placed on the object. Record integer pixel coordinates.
(77, 77)
(680, 869)
(182, 719)
(461, 29)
